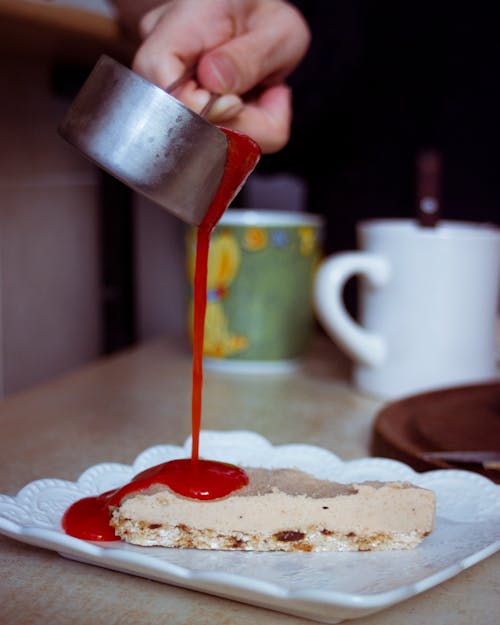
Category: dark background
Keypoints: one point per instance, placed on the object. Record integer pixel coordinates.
(383, 80)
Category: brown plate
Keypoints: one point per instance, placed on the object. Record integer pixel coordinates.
(465, 418)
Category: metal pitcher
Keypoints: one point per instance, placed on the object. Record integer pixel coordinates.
(146, 138)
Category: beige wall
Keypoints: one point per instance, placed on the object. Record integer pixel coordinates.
(160, 278)
(49, 265)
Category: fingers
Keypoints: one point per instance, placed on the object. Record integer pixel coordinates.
(267, 120)
(176, 34)
(275, 40)
(222, 109)
(225, 108)
(235, 46)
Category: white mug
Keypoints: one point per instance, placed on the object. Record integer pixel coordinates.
(428, 305)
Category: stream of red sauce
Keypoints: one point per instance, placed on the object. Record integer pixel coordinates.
(193, 477)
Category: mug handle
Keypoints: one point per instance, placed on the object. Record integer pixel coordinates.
(366, 347)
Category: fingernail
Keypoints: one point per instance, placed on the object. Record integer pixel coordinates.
(226, 106)
(223, 72)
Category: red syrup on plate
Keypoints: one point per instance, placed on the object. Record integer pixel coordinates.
(193, 477)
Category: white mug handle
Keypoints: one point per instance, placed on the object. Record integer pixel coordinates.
(363, 346)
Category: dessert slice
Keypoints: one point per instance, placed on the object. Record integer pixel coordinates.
(281, 510)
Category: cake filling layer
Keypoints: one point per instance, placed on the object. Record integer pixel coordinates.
(282, 509)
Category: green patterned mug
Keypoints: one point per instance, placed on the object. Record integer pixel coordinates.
(259, 293)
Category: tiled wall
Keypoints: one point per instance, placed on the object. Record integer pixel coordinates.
(49, 256)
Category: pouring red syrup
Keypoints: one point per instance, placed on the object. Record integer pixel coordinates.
(193, 477)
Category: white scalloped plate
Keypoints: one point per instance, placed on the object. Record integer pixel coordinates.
(327, 587)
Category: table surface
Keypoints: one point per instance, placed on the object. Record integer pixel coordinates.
(113, 409)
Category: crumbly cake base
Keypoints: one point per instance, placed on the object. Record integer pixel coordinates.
(314, 539)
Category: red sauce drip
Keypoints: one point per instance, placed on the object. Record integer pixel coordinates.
(242, 156)
(88, 518)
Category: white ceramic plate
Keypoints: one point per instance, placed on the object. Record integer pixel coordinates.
(327, 587)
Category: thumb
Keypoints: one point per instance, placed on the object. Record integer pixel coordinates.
(219, 73)
(266, 53)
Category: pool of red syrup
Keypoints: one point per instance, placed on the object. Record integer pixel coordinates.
(88, 518)
(192, 477)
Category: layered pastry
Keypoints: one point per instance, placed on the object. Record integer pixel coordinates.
(281, 510)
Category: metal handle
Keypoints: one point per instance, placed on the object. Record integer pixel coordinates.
(184, 77)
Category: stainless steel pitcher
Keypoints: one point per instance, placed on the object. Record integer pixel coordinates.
(146, 138)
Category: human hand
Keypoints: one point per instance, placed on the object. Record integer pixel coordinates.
(241, 49)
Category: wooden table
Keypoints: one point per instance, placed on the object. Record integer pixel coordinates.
(115, 408)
